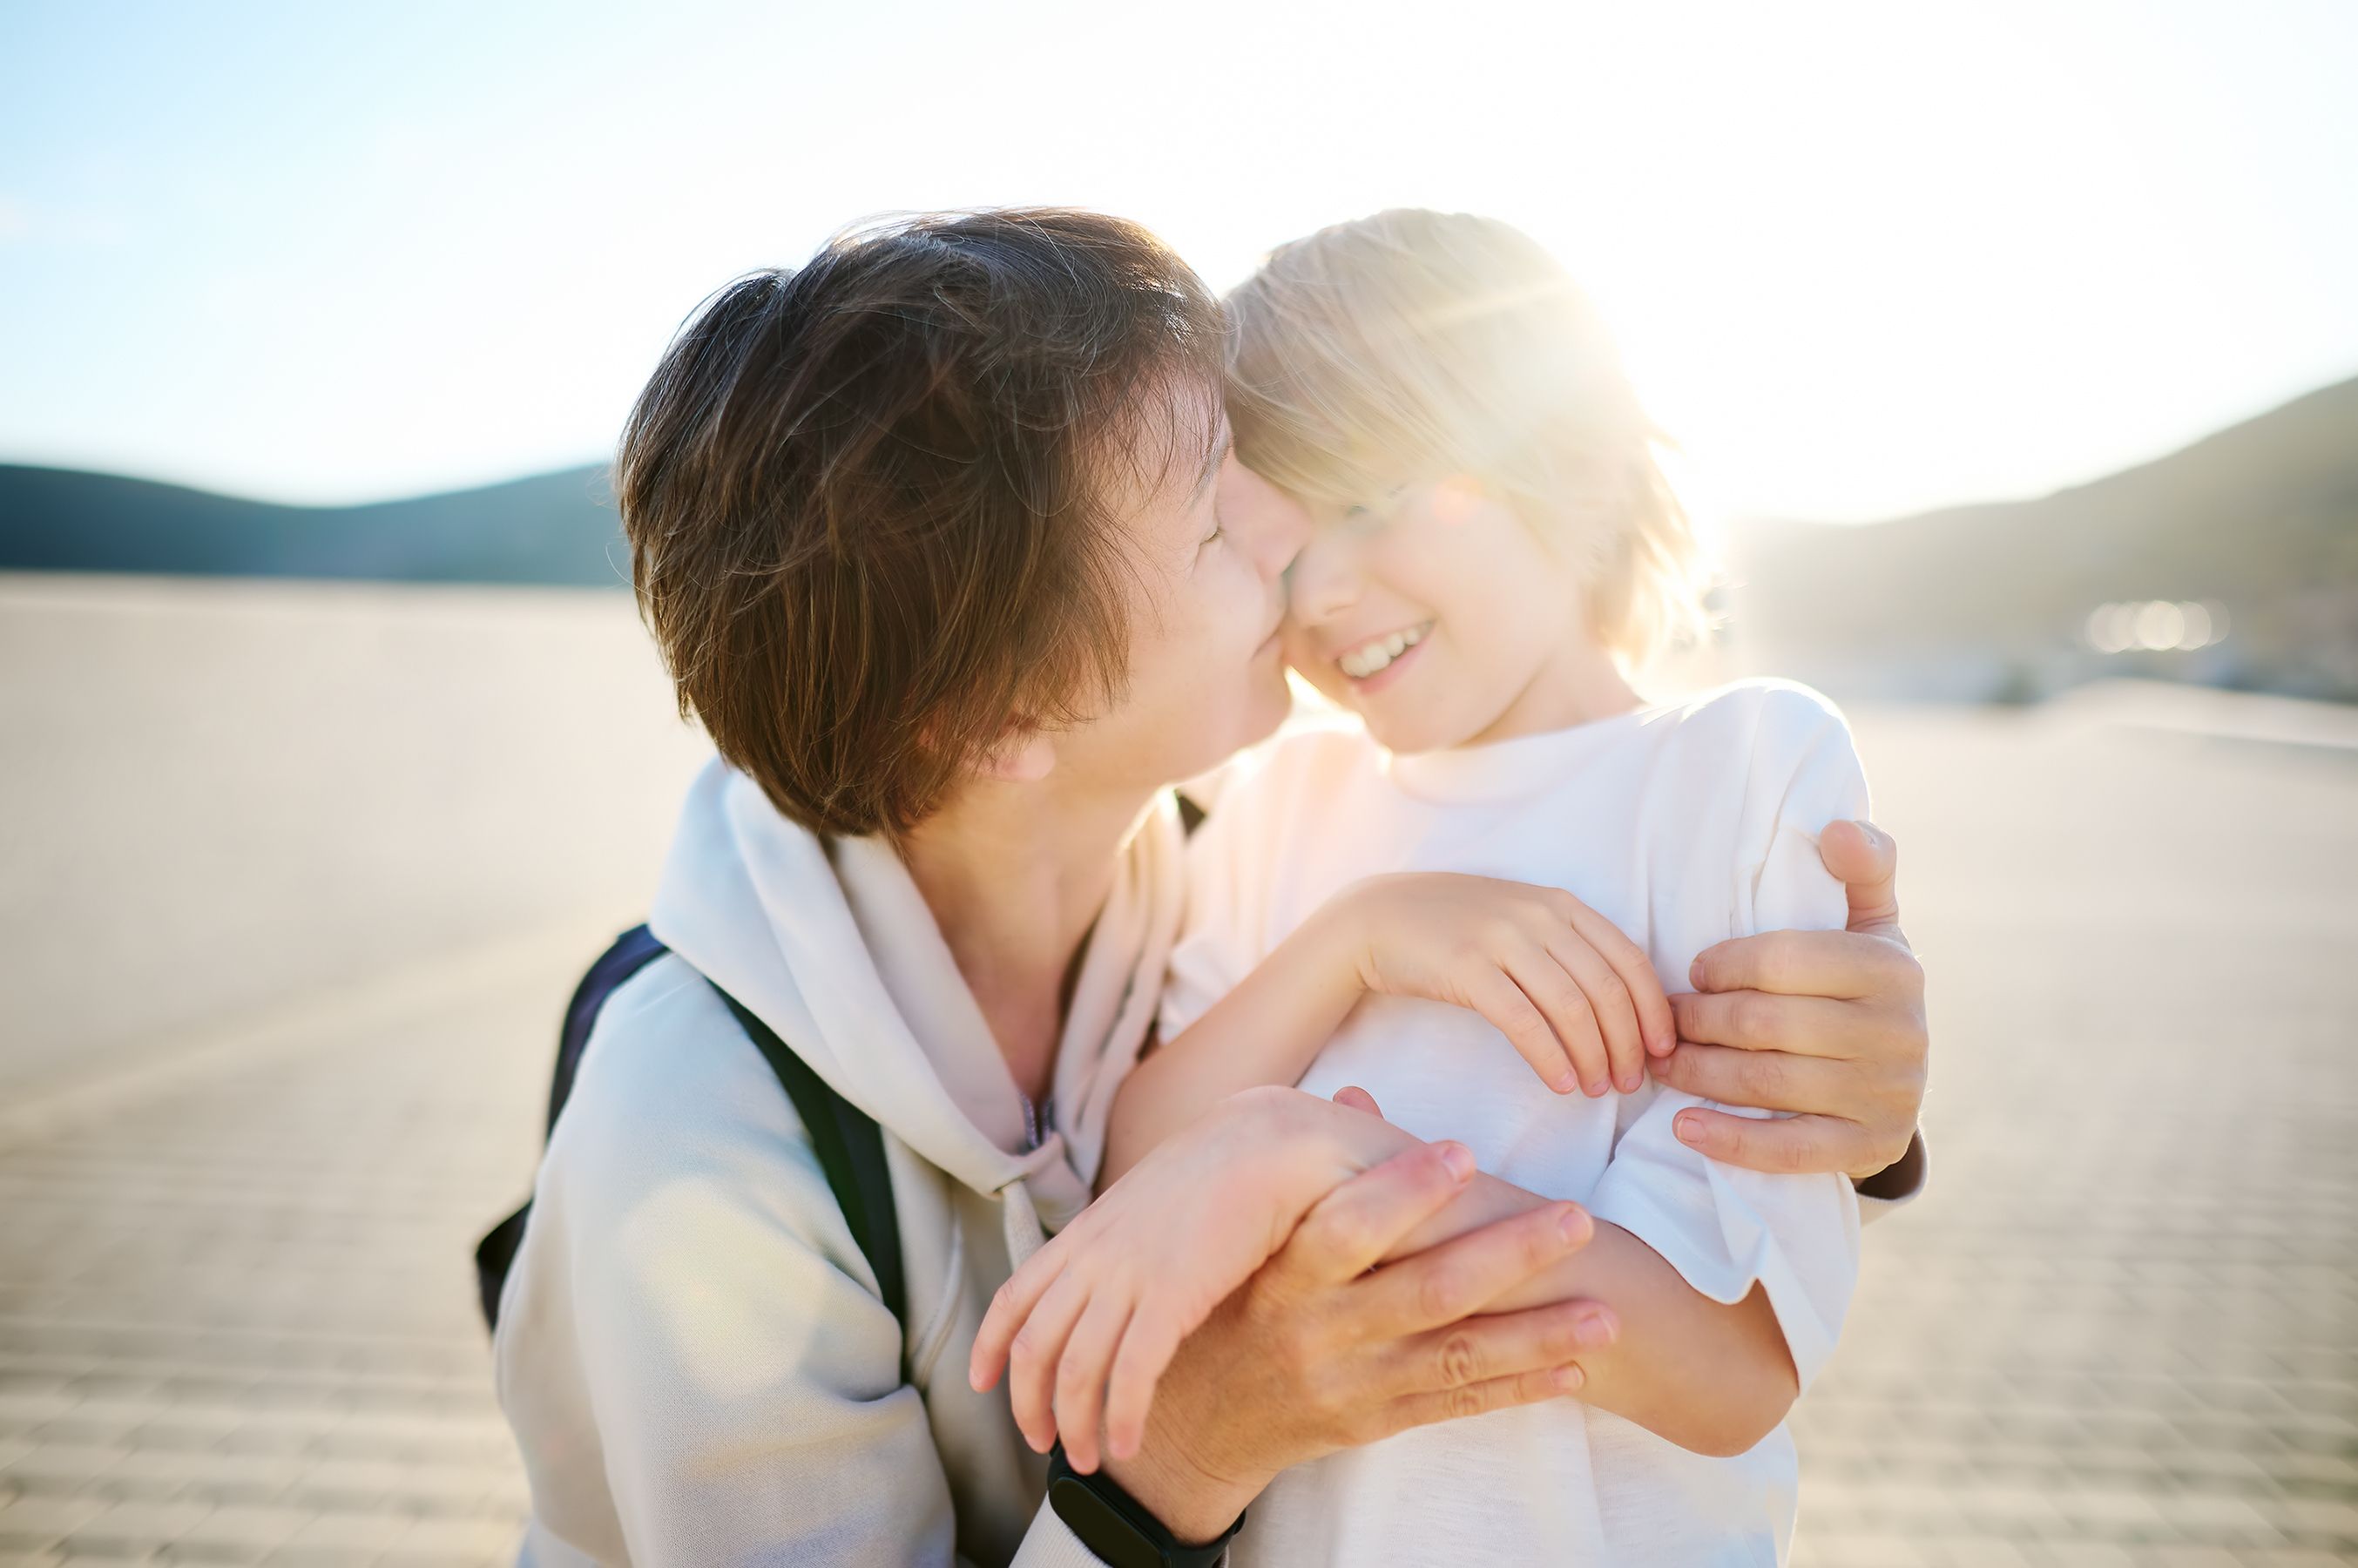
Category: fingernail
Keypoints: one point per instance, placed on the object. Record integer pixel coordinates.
(1695, 972)
(1573, 1225)
(1459, 1160)
(1567, 1379)
(1689, 1128)
(1593, 1329)
(1564, 1083)
(1631, 1082)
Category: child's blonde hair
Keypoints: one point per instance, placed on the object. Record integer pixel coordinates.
(1415, 345)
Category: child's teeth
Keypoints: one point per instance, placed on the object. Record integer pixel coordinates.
(1361, 663)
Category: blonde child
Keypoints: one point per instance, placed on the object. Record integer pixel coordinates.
(1457, 905)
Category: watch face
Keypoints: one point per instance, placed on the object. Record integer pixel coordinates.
(1112, 1538)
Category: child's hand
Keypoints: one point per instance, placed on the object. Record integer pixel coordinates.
(1577, 998)
(1091, 1320)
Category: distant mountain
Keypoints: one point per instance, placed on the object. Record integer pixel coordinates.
(553, 528)
(1994, 601)
(1974, 604)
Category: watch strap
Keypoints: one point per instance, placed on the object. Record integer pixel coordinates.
(1117, 1529)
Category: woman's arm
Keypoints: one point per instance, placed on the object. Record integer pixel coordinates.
(1089, 1323)
(690, 1320)
(1320, 1351)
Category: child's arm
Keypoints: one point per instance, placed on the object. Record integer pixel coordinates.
(1577, 998)
(1092, 1319)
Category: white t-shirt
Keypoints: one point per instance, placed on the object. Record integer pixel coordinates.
(1683, 825)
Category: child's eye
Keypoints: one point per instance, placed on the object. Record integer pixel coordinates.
(1360, 515)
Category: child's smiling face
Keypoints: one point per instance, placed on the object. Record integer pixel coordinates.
(1435, 613)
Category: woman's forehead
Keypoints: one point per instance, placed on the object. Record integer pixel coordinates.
(1174, 460)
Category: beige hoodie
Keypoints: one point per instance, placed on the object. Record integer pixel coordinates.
(692, 1351)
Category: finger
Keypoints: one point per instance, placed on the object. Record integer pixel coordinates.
(1764, 1080)
(1791, 1145)
(1081, 1375)
(1353, 1227)
(1498, 998)
(1033, 1359)
(1480, 1399)
(1147, 1346)
(1357, 1098)
(1480, 1349)
(1761, 1020)
(1445, 1283)
(1617, 1013)
(1011, 1306)
(1866, 860)
(1629, 961)
(1570, 1015)
(1844, 965)
(1016, 1298)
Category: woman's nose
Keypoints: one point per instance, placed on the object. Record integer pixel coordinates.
(1288, 531)
(1272, 525)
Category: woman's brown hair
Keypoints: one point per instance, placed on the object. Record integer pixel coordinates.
(873, 503)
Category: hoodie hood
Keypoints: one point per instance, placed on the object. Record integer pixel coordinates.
(830, 943)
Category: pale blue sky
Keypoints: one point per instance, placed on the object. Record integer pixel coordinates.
(1863, 258)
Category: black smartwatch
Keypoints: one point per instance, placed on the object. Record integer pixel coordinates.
(1117, 1527)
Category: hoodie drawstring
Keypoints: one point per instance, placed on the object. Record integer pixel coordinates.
(1019, 1218)
(1065, 1195)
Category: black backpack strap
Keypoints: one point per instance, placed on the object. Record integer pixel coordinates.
(850, 1144)
(850, 1149)
(631, 951)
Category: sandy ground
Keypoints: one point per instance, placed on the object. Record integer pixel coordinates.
(296, 879)
(222, 796)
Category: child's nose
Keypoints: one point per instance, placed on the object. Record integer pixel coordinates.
(1321, 583)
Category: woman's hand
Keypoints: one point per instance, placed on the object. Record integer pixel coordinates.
(1827, 1024)
(1112, 1295)
(1321, 1350)
(1576, 996)
(1089, 1323)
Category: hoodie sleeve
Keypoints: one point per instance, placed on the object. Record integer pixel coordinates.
(691, 1350)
